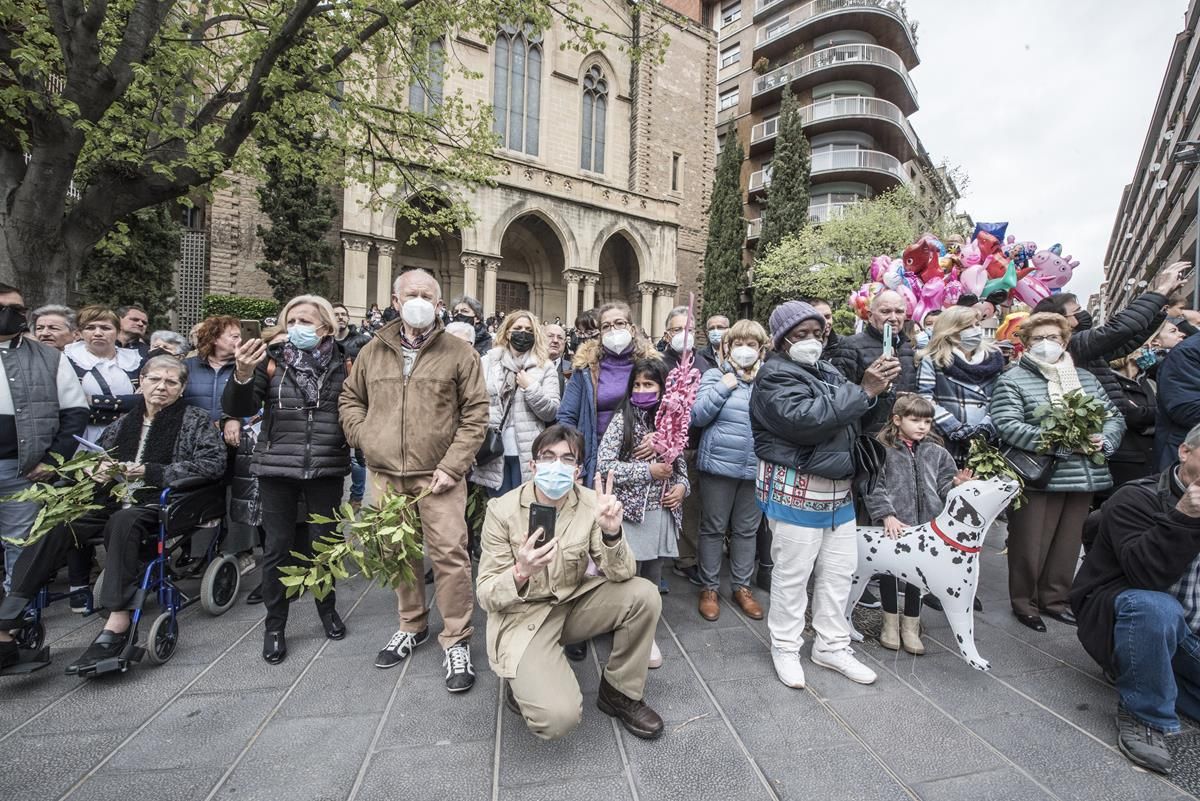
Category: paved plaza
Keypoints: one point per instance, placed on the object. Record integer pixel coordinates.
(217, 723)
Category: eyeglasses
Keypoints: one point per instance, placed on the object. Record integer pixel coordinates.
(1055, 338)
(615, 325)
(549, 458)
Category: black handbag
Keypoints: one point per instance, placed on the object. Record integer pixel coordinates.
(869, 456)
(1035, 469)
(492, 447)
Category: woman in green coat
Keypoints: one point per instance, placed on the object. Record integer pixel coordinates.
(1044, 535)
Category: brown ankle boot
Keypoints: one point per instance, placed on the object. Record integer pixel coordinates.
(710, 605)
(745, 599)
(637, 718)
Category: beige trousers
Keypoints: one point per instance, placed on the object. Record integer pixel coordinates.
(443, 522)
(545, 686)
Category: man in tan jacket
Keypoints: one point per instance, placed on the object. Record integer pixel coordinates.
(416, 405)
(538, 598)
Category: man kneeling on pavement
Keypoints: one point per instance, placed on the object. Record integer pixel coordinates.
(1137, 599)
(538, 598)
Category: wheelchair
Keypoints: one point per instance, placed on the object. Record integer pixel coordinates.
(183, 509)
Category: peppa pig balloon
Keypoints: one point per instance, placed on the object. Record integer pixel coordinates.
(1053, 270)
(970, 254)
(1030, 290)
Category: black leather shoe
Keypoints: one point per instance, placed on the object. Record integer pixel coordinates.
(274, 647)
(1032, 621)
(107, 645)
(429, 576)
(9, 654)
(335, 629)
(576, 651)
(1064, 616)
(636, 716)
(255, 596)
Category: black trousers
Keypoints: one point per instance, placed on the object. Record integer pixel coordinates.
(887, 596)
(286, 532)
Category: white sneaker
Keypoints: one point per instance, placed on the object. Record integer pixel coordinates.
(245, 563)
(788, 667)
(843, 662)
(655, 655)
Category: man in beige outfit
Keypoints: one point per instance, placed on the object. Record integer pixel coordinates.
(538, 598)
(416, 405)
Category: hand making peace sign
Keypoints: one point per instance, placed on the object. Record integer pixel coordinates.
(609, 511)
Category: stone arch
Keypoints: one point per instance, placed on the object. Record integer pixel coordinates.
(641, 248)
(621, 270)
(529, 273)
(439, 255)
(522, 208)
(611, 74)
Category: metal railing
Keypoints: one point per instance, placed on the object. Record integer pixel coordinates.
(819, 8)
(877, 160)
(760, 179)
(832, 57)
(754, 228)
(823, 212)
(833, 108)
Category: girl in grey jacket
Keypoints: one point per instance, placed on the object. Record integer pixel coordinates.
(917, 476)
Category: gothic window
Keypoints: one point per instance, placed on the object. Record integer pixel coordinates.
(595, 107)
(516, 97)
(425, 88)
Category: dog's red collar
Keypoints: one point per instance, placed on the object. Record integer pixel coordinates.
(958, 546)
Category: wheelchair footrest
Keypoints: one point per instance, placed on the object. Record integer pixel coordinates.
(30, 661)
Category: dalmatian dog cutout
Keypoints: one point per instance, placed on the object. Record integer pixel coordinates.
(941, 557)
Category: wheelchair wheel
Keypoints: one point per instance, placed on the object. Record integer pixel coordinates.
(31, 636)
(162, 639)
(219, 587)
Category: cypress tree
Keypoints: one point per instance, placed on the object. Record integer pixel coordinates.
(726, 235)
(136, 264)
(787, 194)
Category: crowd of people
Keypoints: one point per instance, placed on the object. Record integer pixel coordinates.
(431, 399)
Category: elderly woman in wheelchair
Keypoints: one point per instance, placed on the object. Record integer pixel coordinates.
(166, 444)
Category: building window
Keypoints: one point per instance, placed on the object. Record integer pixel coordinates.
(676, 171)
(516, 99)
(728, 99)
(425, 87)
(776, 28)
(731, 55)
(595, 112)
(731, 12)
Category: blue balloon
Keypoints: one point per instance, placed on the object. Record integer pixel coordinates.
(996, 229)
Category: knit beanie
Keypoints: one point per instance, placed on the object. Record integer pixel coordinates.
(787, 316)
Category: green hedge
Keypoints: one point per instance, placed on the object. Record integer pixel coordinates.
(242, 308)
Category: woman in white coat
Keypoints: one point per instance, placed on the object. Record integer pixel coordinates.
(522, 387)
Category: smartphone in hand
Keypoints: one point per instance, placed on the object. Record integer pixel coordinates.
(887, 341)
(545, 518)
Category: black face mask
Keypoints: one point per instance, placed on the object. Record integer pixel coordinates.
(1083, 320)
(521, 341)
(12, 320)
(465, 318)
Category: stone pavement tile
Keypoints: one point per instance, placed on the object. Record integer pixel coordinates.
(833, 774)
(198, 730)
(1088, 704)
(425, 713)
(243, 668)
(699, 760)
(771, 717)
(680, 608)
(830, 684)
(590, 750)
(959, 689)
(888, 724)
(596, 788)
(1068, 648)
(203, 638)
(673, 690)
(315, 759)
(17, 709)
(1070, 763)
(45, 766)
(1007, 656)
(341, 685)
(1002, 784)
(720, 653)
(147, 784)
(444, 772)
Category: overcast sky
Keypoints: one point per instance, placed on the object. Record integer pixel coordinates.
(1045, 104)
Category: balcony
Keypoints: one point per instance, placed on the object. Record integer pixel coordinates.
(884, 121)
(753, 229)
(881, 171)
(759, 181)
(824, 212)
(872, 64)
(803, 23)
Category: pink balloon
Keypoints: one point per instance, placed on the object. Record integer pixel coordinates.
(1031, 290)
(879, 266)
(971, 254)
(954, 291)
(909, 296)
(973, 279)
(933, 293)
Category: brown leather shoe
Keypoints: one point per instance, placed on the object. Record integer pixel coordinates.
(710, 605)
(637, 718)
(750, 607)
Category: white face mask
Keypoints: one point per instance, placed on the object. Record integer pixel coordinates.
(971, 338)
(418, 313)
(806, 351)
(682, 340)
(1049, 352)
(618, 340)
(744, 356)
(714, 336)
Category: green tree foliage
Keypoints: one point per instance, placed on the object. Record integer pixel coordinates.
(723, 271)
(236, 305)
(302, 210)
(112, 107)
(831, 260)
(787, 194)
(135, 263)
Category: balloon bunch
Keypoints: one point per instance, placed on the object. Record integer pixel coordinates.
(993, 269)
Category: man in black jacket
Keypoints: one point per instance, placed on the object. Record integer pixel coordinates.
(854, 354)
(1137, 600)
(351, 339)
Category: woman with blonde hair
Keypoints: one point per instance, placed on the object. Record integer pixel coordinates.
(301, 454)
(109, 374)
(522, 387)
(956, 373)
(727, 468)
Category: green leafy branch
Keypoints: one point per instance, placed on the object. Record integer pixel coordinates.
(1071, 424)
(986, 462)
(381, 541)
(68, 496)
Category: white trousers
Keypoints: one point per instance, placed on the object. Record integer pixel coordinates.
(795, 550)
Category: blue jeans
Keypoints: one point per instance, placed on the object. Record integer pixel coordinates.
(1157, 658)
(16, 519)
(358, 475)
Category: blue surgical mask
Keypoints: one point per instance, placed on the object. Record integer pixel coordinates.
(555, 479)
(303, 336)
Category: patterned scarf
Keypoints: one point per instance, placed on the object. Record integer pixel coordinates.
(1062, 378)
(309, 366)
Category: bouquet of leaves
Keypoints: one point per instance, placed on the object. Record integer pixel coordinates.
(1071, 424)
(987, 462)
(380, 541)
(69, 495)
